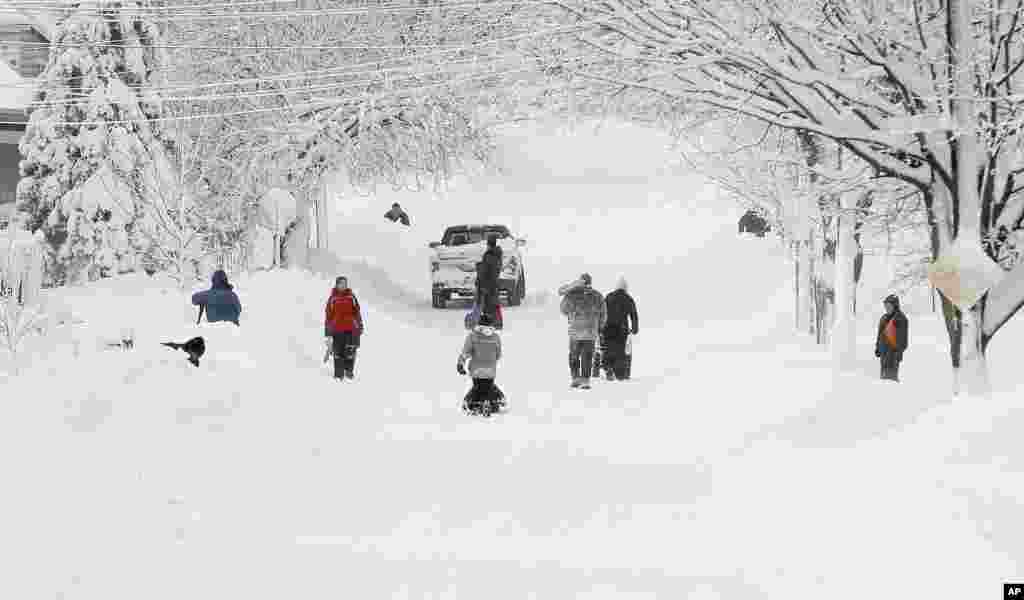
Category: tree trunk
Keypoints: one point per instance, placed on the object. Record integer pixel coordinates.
(182, 261)
(795, 248)
(844, 354)
(810, 296)
(323, 218)
(296, 242)
(971, 378)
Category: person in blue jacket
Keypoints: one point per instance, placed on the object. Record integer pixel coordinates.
(220, 302)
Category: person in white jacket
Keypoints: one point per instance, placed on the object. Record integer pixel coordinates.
(482, 351)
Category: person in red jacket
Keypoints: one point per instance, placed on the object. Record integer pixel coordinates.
(343, 325)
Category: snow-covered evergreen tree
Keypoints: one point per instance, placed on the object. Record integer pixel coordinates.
(92, 116)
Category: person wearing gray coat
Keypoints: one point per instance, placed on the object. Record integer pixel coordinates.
(584, 307)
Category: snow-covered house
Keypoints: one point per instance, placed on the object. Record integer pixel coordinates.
(15, 96)
(24, 51)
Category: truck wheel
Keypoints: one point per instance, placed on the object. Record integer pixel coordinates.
(516, 294)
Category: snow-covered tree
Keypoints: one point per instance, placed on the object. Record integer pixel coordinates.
(177, 223)
(927, 92)
(399, 97)
(21, 307)
(94, 109)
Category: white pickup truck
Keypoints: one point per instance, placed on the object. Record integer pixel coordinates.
(453, 265)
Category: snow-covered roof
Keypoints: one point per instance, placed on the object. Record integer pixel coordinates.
(8, 17)
(15, 90)
(15, 14)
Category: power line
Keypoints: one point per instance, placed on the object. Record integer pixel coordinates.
(374, 65)
(28, 44)
(368, 67)
(157, 14)
(30, 5)
(304, 89)
(304, 106)
(444, 47)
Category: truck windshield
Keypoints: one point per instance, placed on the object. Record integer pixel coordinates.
(461, 237)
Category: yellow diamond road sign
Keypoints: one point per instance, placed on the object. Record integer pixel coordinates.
(964, 273)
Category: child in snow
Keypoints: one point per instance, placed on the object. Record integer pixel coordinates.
(482, 349)
(891, 342)
(343, 326)
(220, 302)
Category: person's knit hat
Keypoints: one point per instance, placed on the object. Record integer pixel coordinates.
(586, 279)
(220, 280)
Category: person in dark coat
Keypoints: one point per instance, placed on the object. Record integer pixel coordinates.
(488, 273)
(754, 223)
(343, 326)
(892, 338)
(621, 321)
(220, 302)
(397, 214)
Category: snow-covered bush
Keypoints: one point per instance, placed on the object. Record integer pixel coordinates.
(21, 311)
(93, 110)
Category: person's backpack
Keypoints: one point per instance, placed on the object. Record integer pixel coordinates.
(344, 312)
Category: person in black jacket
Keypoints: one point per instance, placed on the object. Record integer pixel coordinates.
(396, 214)
(753, 222)
(891, 342)
(622, 321)
(488, 272)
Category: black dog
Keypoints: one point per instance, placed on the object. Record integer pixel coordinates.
(195, 348)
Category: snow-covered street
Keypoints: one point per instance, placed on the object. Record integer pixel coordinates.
(735, 464)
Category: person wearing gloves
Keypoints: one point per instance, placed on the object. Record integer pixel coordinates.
(585, 309)
(891, 342)
(343, 326)
(220, 302)
(482, 351)
(621, 322)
